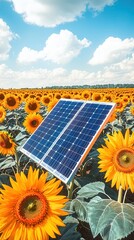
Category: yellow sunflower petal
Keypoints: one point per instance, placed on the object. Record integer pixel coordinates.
(27, 212)
(117, 160)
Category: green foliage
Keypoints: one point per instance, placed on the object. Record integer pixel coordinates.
(7, 163)
(4, 179)
(111, 219)
(107, 217)
(70, 232)
(92, 189)
(80, 208)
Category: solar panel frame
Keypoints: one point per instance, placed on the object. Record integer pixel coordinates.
(62, 171)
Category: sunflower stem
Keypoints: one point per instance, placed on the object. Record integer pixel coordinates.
(120, 194)
(70, 189)
(124, 198)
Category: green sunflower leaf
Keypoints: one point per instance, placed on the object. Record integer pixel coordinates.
(4, 179)
(69, 232)
(92, 189)
(111, 219)
(80, 208)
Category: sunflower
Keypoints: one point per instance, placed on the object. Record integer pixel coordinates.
(7, 145)
(117, 160)
(126, 99)
(32, 121)
(2, 114)
(66, 95)
(31, 106)
(108, 97)
(86, 95)
(58, 95)
(97, 96)
(52, 104)
(11, 101)
(45, 100)
(30, 207)
(120, 106)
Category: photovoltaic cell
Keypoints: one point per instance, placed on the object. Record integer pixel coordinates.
(64, 138)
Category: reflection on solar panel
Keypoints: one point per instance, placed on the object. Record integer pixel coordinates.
(65, 137)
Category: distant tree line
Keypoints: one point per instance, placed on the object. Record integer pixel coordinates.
(87, 86)
(95, 86)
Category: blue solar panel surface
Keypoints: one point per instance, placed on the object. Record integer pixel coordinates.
(66, 135)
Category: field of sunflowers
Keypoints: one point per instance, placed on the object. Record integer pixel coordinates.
(98, 203)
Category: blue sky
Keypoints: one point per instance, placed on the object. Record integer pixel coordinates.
(47, 43)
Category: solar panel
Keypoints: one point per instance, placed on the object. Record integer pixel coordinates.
(65, 137)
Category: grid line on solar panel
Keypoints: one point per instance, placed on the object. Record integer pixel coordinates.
(52, 127)
(81, 137)
(67, 123)
(70, 129)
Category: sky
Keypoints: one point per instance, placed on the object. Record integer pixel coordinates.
(46, 43)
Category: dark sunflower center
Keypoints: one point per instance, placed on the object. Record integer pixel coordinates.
(31, 208)
(119, 105)
(46, 100)
(11, 101)
(97, 97)
(2, 96)
(34, 123)
(124, 160)
(58, 96)
(32, 106)
(4, 141)
(108, 98)
(86, 95)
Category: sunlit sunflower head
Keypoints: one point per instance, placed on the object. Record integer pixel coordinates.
(7, 145)
(25, 96)
(52, 104)
(108, 97)
(125, 99)
(58, 95)
(31, 208)
(11, 101)
(119, 105)
(117, 160)
(86, 95)
(2, 114)
(66, 95)
(45, 100)
(32, 121)
(31, 106)
(97, 97)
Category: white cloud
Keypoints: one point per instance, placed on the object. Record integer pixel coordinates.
(28, 55)
(5, 38)
(60, 48)
(51, 13)
(112, 50)
(100, 5)
(63, 47)
(119, 73)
